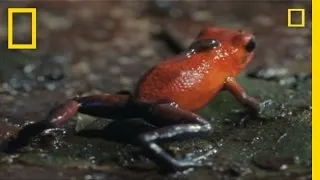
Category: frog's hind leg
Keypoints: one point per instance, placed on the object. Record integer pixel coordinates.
(174, 123)
(102, 105)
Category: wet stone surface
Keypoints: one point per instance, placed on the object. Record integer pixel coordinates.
(104, 46)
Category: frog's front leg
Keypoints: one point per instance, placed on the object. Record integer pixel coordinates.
(241, 95)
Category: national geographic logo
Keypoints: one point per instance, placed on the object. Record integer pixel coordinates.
(299, 12)
(26, 11)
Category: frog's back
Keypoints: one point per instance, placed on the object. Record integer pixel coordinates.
(189, 82)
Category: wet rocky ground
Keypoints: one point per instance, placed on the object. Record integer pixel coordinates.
(104, 46)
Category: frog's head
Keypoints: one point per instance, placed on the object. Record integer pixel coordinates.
(234, 46)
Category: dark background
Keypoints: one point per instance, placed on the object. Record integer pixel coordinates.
(104, 46)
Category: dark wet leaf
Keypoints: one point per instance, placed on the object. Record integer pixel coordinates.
(273, 162)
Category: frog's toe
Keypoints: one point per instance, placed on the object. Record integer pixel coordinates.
(265, 104)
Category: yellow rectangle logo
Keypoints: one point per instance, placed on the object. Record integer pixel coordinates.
(302, 23)
(33, 12)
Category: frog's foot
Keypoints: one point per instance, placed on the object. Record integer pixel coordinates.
(28, 131)
(256, 112)
(185, 165)
(265, 103)
(249, 113)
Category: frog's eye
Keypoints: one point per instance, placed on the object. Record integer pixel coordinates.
(250, 46)
(203, 45)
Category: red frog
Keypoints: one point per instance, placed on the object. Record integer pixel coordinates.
(168, 95)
